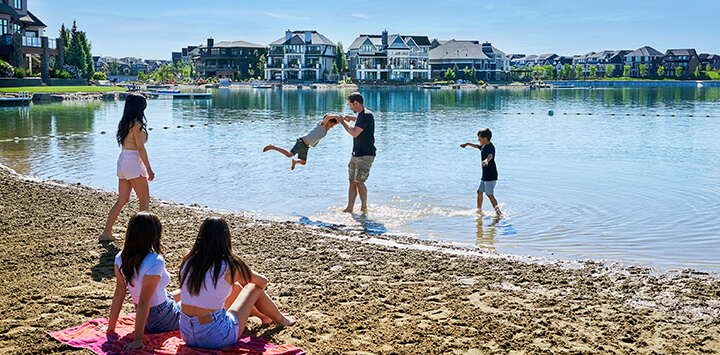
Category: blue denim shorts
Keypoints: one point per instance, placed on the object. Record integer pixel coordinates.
(221, 331)
(163, 317)
(488, 187)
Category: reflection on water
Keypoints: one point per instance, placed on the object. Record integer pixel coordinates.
(616, 173)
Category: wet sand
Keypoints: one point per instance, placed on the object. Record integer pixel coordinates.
(350, 295)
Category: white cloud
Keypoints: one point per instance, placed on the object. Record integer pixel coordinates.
(286, 17)
(365, 16)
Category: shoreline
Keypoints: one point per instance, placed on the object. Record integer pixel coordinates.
(349, 293)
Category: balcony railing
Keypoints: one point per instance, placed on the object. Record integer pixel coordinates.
(31, 42)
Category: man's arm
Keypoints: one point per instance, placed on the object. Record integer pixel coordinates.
(353, 130)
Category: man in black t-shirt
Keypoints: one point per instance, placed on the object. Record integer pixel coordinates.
(489, 169)
(363, 153)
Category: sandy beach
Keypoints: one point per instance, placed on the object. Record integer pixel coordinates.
(352, 293)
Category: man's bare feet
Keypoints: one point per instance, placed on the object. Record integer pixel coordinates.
(268, 147)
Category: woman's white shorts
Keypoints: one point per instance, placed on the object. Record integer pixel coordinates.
(130, 166)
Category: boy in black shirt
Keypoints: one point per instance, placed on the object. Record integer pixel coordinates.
(489, 170)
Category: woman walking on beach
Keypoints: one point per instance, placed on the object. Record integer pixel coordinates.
(140, 268)
(220, 292)
(133, 165)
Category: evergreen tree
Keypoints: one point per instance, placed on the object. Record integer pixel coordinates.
(65, 35)
(473, 75)
(643, 70)
(450, 75)
(89, 64)
(75, 55)
(340, 59)
(114, 67)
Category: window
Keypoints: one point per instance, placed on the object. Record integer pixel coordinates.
(18, 4)
(17, 28)
(234, 51)
(4, 25)
(215, 51)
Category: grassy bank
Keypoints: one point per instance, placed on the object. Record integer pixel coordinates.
(50, 89)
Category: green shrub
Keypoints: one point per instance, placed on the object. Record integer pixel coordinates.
(19, 72)
(99, 76)
(59, 74)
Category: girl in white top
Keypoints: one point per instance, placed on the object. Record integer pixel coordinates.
(133, 165)
(157, 310)
(220, 292)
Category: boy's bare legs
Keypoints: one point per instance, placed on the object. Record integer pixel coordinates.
(495, 204)
(283, 151)
(352, 194)
(479, 201)
(297, 161)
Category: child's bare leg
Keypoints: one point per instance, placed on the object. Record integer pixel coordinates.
(283, 151)
(479, 201)
(494, 203)
(297, 161)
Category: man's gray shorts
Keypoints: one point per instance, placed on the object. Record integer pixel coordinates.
(488, 187)
(359, 167)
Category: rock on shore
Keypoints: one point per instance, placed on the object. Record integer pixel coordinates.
(349, 295)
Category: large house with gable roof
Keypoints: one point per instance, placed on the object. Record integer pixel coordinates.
(647, 56)
(489, 62)
(300, 56)
(389, 57)
(22, 41)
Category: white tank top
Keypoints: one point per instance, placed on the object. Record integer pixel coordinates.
(210, 297)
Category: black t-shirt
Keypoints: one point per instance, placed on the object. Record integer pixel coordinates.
(489, 172)
(364, 143)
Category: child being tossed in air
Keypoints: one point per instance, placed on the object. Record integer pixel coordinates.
(311, 138)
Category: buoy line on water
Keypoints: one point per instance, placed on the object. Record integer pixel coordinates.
(549, 113)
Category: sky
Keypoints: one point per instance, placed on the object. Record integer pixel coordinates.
(153, 29)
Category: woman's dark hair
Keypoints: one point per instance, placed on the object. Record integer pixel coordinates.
(142, 237)
(212, 249)
(135, 105)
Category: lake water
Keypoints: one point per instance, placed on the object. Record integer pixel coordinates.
(627, 174)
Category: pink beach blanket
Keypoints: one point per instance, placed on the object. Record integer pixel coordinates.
(85, 336)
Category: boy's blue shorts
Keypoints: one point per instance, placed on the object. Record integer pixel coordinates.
(488, 187)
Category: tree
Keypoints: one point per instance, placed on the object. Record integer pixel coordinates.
(609, 70)
(661, 71)
(626, 71)
(473, 75)
(87, 47)
(65, 35)
(78, 53)
(548, 72)
(141, 76)
(340, 59)
(449, 75)
(578, 71)
(262, 60)
(678, 71)
(643, 70)
(334, 68)
(466, 73)
(567, 71)
(708, 67)
(697, 72)
(593, 71)
(114, 67)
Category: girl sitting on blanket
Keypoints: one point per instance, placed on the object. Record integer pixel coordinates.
(220, 292)
(140, 267)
